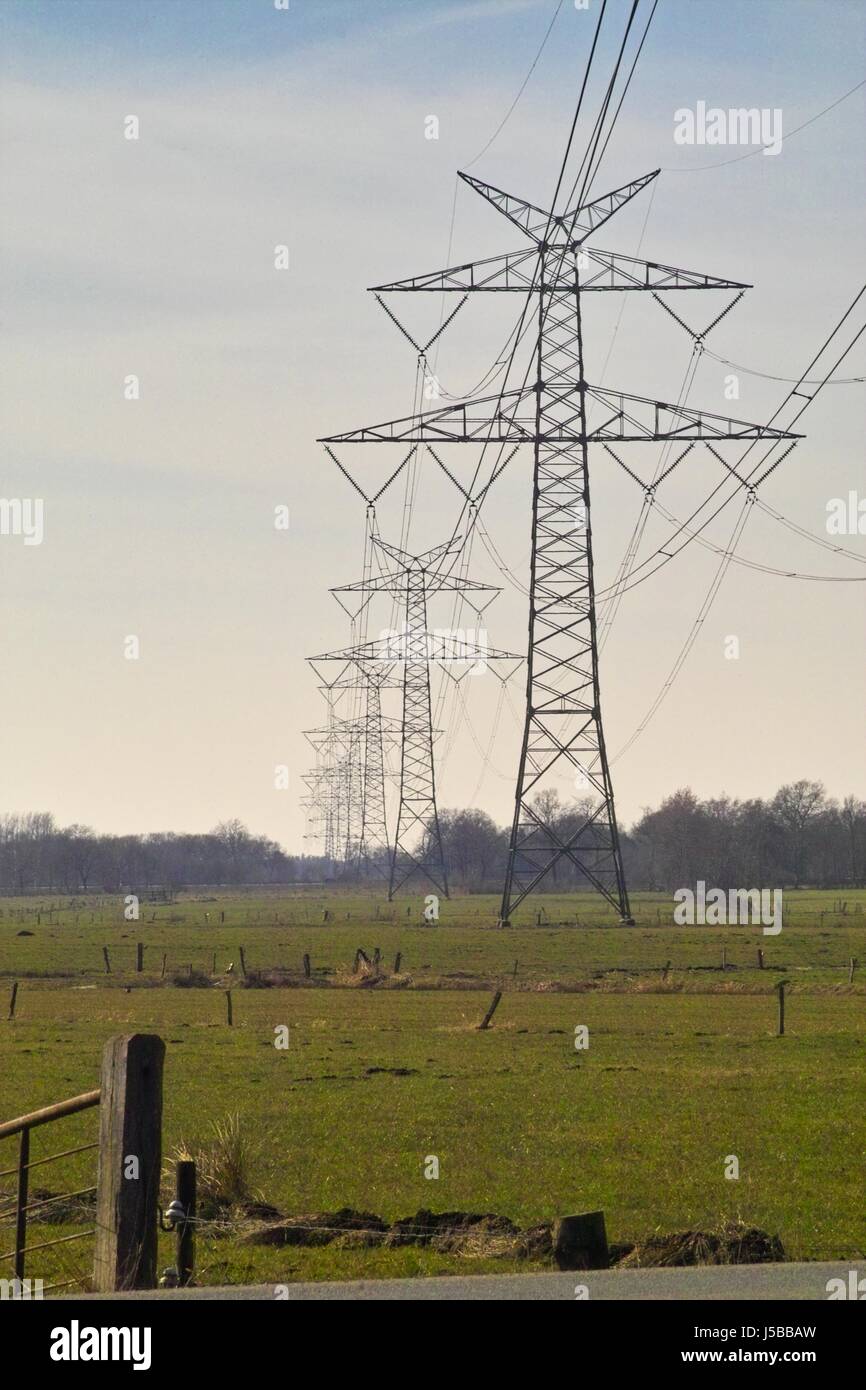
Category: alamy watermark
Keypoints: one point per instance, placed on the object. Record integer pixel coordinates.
(452, 646)
(21, 1289)
(740, 906)
(737, 126)
(23, 516)
(846, 516)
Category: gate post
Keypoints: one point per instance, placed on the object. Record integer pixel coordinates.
(130, 1156)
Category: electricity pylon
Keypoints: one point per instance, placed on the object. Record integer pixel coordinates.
(367, 847)
(324, 801)
(417, 847)
(563, 725)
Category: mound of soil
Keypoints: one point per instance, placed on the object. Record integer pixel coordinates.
(732, 1244)
(321, 1229)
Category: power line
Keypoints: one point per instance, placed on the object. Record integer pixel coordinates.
(787, 380)
(523, 87)
(793, 392)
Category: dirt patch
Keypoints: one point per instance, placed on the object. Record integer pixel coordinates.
(391, 1071)
(481, 1235)
(732, 1244)
(471, 1234)
(322, 1229)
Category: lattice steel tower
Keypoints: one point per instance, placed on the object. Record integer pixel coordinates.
(412, 579)
(550, 411)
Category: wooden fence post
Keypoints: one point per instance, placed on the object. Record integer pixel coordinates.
(580, 1242)
(781, 988)
(760, 959)
(852, 966)
(398, 960)
(12, 998)
(307, 966)
(243, 961)
(185, 1190)
(105, 957)
(494, 1005)
(139, 956)
(229, 1018)
(130, 1154)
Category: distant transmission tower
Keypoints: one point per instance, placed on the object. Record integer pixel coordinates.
(367, 848)
(417, 848)
(563, 724)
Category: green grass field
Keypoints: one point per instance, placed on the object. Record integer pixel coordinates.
(680, 1071)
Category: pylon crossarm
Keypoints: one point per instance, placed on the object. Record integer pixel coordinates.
(513, 271)
(522, 213)
(517, 272)
(447, 424)
(639, 418)
(591, 215)
(628, 419)
(594, 214)
(609, 270)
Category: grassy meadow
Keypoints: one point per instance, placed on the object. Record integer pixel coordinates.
(383, 1070)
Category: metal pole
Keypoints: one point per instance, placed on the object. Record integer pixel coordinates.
(21, 1202)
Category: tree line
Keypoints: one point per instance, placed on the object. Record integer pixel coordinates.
(799, 837)
(37, 853)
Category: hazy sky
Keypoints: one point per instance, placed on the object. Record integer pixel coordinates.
(155, 258)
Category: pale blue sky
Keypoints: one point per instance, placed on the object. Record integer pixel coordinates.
(260, 127)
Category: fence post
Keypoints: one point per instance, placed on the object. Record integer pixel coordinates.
(781, 988)
(23, 1184)
(185, 1190)
(130, 1153)
(580, 1242)
(494, 1004)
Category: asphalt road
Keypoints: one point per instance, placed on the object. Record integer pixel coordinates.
(713, 1282)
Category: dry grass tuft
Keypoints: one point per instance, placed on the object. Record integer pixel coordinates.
(224, 1166)
(734, 1243)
